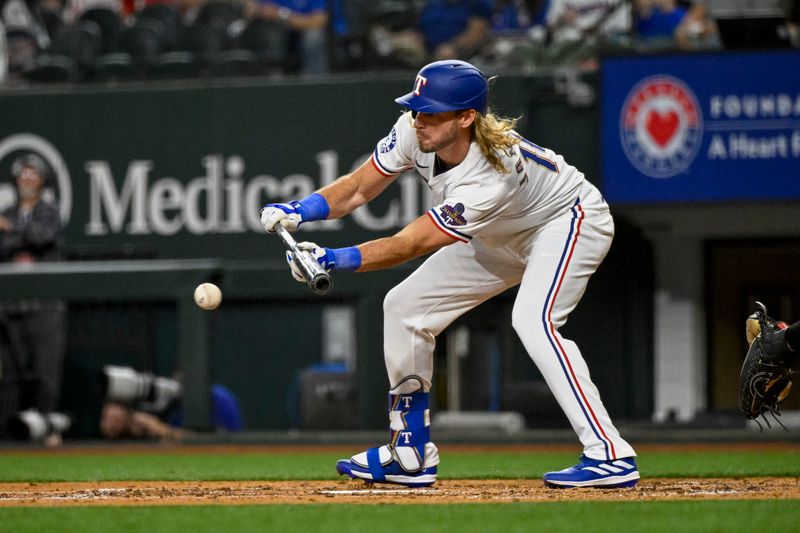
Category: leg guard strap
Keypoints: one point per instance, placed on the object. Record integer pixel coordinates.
(374, 463)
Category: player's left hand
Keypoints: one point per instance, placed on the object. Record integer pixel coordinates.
(324, 256)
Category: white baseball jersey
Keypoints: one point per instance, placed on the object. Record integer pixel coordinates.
(541, 226)
(473, 200)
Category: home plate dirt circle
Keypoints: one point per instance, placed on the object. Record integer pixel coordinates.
(345, 491)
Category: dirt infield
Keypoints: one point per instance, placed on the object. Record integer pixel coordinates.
(315, 492)
(41, 494)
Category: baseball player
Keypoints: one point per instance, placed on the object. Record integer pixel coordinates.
(507, 212)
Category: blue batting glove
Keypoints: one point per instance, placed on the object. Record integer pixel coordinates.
(291, 215)
(324, 257)
(286, 214)
(339, 259)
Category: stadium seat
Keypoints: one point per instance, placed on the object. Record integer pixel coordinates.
(175, 64)
(268, 40)
(238, 62)
(53, 22)
(168, 17)
(82, 42)
(109, 22)
(52, 69)
(202, 41)
(142, 42)
(117, 66)
(219, 15)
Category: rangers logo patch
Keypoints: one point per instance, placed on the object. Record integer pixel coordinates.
(661, 126)
(452, 215)
(389, 142)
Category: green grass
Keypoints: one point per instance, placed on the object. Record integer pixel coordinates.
(585, 517)
(563, 516)
(320, 465)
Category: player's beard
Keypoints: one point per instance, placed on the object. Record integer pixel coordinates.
(428, 145)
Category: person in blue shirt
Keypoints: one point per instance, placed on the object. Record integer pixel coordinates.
(515, 15)
(657, 20)
(454, 29)
(307, 22)
(445, 29)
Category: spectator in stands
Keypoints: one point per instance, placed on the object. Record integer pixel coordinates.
(453, 29)
(445, 29)
(574, 20)
(26, 34)
(516, 36)
(73, 9)
(516, 15)
(349, 23)
(793, 20)
(579, 31)
(30, 232)
(24, 15)
(307, 21)
(697, 29)
(656, 21)
(792, 8)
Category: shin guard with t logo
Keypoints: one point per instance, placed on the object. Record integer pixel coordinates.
(409, 428)
(410, 458)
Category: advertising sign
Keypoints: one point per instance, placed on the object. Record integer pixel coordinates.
(701, 128)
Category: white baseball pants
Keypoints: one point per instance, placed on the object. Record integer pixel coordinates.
(552, 273)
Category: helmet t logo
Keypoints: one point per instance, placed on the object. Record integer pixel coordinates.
(420, 83)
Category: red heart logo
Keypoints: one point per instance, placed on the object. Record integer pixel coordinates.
(662, 127)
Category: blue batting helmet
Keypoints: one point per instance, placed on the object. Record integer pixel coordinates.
(448, 85)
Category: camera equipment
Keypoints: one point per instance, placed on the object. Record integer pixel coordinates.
(33, 425)
(149, 392)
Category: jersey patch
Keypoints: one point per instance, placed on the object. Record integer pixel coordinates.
(453, 215)
(453, 233)
(389, 142)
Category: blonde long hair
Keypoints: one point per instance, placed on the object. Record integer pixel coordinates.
(494, 137)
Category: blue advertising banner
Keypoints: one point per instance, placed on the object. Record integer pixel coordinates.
(701, 128)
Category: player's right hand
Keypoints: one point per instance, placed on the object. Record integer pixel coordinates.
(324, 256)
(288, 215)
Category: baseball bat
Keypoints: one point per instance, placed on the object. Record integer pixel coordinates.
(318, 280)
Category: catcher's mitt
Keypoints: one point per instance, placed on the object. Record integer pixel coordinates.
(765, 379)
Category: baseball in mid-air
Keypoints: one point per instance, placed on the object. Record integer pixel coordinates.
(207, 296)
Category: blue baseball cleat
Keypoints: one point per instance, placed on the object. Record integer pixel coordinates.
(380, 465)
(592, 473)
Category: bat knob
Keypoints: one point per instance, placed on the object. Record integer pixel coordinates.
(321, 284)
